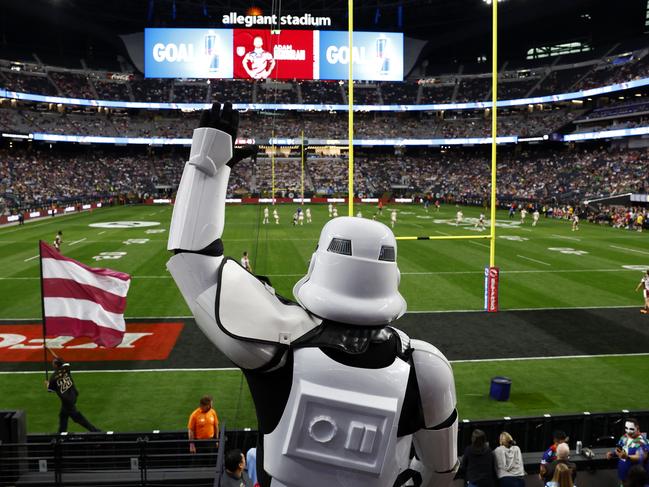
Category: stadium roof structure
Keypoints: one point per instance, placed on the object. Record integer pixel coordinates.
(458, 31)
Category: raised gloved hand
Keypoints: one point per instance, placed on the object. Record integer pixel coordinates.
(226, 119)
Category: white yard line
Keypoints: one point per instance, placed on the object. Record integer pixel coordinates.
(101, 232)
(77, 241)
(439, 273)
(629, 250)
(480, 244)
(533, 260)
(566, 238)
(512, 359)
(512, 309)
(442, 233)
(31, 258)
(429, 312)
(222, 369)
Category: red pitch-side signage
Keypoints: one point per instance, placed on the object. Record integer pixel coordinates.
(491, 276)
(258, 54)
(142, 341)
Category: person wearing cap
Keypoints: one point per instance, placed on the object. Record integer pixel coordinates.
(62, 384)
(341, 395)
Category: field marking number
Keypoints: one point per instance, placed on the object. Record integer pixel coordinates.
(109, 255)
(139, 241)
(567, 250)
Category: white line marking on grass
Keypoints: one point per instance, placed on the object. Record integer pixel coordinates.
(442, 233)
(629, 250)
(513, 309)
(31, 258)
(478, 243)
(518, 359)
(533, 260)
(439, 273)
(122, 371)
(77, 241)
(429, 312)
(101, 232)
(226, 369)
(566, 238)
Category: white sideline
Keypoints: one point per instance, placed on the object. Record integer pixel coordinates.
(510, 359)
(533, 260)
(440, 273)
(629, 250)
(414, 312)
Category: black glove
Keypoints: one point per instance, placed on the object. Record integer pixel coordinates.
(227, 120)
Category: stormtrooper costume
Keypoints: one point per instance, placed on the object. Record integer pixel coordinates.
(340, 395)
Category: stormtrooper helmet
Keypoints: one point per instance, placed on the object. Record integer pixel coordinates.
(353, 275)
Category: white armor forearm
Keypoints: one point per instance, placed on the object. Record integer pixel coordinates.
(199, 209)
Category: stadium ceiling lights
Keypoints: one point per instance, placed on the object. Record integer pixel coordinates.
(488, 2)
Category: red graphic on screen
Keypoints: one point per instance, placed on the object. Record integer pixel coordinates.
(258, 54)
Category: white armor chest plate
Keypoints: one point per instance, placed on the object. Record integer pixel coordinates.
(339, 427)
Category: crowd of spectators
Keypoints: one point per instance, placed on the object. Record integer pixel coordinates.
(195, 92)
(325, 92)
(151, 90)
(28, 83)
(112, 90)
(263, 125)
(73, 85)
(540, 175)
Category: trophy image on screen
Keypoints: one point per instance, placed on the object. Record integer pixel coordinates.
(211, 52)
(383, 59)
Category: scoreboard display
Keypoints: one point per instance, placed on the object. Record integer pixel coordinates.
(264, 54)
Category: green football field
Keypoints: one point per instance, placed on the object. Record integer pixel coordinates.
(547, 266)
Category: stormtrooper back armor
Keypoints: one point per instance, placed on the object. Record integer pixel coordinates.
(340, 422)
(340, 396)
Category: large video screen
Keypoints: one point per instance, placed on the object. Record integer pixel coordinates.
(261, 54)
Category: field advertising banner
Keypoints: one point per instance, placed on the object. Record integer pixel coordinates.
(262, 54)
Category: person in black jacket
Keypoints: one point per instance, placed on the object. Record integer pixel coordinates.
(477, 467)
(61, 382)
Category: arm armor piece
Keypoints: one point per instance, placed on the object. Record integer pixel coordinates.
(436, 444)
(199, 209)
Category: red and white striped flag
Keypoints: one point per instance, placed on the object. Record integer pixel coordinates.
(82, 301)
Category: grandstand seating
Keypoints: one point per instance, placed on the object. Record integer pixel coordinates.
(35, 178)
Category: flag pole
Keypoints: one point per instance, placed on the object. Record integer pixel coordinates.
(40, 261)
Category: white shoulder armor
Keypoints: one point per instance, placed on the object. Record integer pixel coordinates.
(436, 384)
(249, 309)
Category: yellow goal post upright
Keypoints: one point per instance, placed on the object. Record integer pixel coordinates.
(491, 272)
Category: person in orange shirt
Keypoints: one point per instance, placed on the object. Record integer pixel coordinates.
(203, 423)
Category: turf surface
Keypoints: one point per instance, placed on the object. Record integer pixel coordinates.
(144, 401)
(547, 266)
